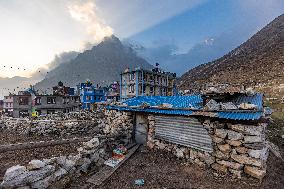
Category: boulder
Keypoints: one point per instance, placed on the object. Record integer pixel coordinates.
(35, 164)
(43, 184)
(15, 176)
(217, 140)
(226, 148)
(57, 175)
(93, 143)
(241, 150)
(219, 168)
(221, 155)
(244, 159)
(40, 173)
(260, 154)
(221, 133)
(253, 139)
(255, 172)
(206, 157)
(234, 142)
(233, 135)
(230, 164)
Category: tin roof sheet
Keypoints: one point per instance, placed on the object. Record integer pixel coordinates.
(192, 105)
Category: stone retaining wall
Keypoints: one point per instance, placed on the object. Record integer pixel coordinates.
(74, 123)
(238, 149)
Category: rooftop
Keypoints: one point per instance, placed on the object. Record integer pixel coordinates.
(245, 107)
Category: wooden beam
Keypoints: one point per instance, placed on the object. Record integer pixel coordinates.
(107, 171)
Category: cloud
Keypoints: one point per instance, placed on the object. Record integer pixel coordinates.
(85, 13)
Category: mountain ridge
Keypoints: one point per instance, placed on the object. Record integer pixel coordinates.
(258, 62)
(102, 64)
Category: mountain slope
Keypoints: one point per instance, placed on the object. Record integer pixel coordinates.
(259, 62)
(102, 64)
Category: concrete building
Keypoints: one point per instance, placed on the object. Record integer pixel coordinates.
(89, 95)
(8, 105)
(62, 100)
(113, 93)
(141, 82)
(44, 104)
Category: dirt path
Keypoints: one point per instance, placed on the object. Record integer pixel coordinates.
(163, 170)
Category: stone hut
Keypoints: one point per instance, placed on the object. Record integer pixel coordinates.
(224, 132)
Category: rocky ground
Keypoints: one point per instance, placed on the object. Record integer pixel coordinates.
(162, 170)
(12, 158)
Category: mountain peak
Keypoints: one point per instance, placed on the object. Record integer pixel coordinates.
(102, 65)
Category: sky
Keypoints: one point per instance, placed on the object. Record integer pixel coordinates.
(33, 32)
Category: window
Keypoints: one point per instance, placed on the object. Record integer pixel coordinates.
(51, 100)
(131, 88)
(23, 101)
(38, 101)
(151, 89)
(131, 76)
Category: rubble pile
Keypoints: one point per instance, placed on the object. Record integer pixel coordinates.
(56, 171)
(18, 125)
(73, 123)
(237, 148)
(79, 115)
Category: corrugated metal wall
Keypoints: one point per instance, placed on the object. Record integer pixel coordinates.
(184, 131)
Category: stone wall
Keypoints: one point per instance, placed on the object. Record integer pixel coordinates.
(238, 149)
(103, 122)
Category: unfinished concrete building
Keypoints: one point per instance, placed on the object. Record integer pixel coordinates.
(141, 82)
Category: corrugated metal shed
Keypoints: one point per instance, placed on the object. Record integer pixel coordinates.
(192, 106)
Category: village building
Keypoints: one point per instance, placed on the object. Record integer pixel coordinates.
(62, 100)
(8, 105)
(142, 82)
(224, 131)
(89, 95)
(113, 93)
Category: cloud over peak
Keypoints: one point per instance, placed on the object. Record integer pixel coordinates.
(85, 13)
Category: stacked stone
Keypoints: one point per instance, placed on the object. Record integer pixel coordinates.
(57, 171)
(151, 132)
(237, 148)
(63, 128)
(118, 124)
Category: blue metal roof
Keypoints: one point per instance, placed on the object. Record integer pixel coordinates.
(254, 99)
(240, 115)
(194, 105)
(193, 101)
